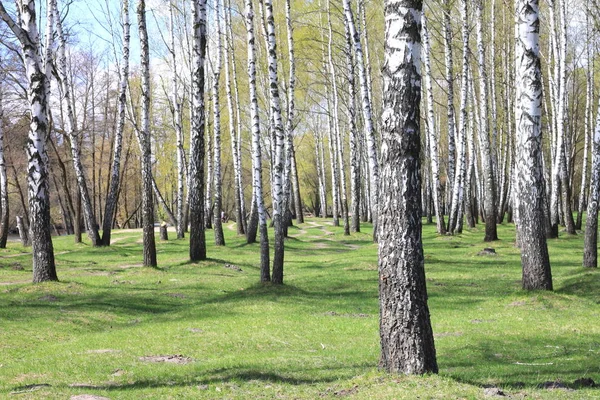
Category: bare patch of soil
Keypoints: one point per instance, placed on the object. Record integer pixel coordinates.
(173, 359)
(177, 295)
(88, 397)
(30, 388)
(48, 297)
(232, 267)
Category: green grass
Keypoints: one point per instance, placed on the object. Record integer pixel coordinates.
(315, 337)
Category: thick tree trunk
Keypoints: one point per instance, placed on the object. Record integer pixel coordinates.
(530, 191)
(144, 139)
(25, 30)
(590, 250)
(196, 164)
(407, 344)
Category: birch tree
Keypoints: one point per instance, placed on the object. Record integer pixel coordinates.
(407, 344)
(73, 136)
(529, 175)
(145, 144)
(590, 250)
(178, 124)
(257, 189)
(431, 133)
(278, 135)
(196, 164)
(487, 165)
(4, 207)
(217, 205)
(367, 114)
(115, 177)
(26, 32)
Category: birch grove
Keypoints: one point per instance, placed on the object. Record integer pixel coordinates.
(285, 107)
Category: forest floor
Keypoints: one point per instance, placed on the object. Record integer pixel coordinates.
(210, 330)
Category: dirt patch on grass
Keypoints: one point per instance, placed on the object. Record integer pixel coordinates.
(49, 297)
(173, 359)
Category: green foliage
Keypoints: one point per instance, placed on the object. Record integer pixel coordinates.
(315, 337)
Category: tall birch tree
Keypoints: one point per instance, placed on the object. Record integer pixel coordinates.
(145, 143)
(278, 135)
(115, 177)
(4, 207)
(73, 136)
(257, 189)
(407, 344)
(196, 164)
(529, 174)
(26, 31)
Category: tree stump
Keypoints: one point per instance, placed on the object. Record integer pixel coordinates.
(163, 231)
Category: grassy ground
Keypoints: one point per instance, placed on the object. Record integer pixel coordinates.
(315, 337)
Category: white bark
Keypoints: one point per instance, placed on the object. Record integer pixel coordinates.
(431, 132)
(367, 113)
(115, 177)
(529, 177)
(25, 29)
(71, 128)
(196, 165)
(278, 135)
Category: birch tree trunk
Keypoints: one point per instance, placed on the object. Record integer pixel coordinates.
(71, 125)
(588, 128)
(529, 183)
(238, 192)
(320, 160)
(178, 124)
(590, 250)
(487, 164)
(291, 114)
(367, 115)
(196, 164)
(455, 219)
(451, 114)
(144, 139)
(407, 345)
(332, 115)
(218, 179)
(354, 140)
(257, 189)
(111, 199)
(431, 133)
(3, 180)
(278, 135)
(25, 30)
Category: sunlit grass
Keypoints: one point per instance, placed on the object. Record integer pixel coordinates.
(315, 337)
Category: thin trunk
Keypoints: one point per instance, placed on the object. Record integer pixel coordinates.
(111, 200)
(278, 135)
(218, 178)
(178, 124)
(367, 114)
(196, 165)
(238, 192)
(432, 134)
(145, 145)
(3, 180)
(485, 148)
(257, 189)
